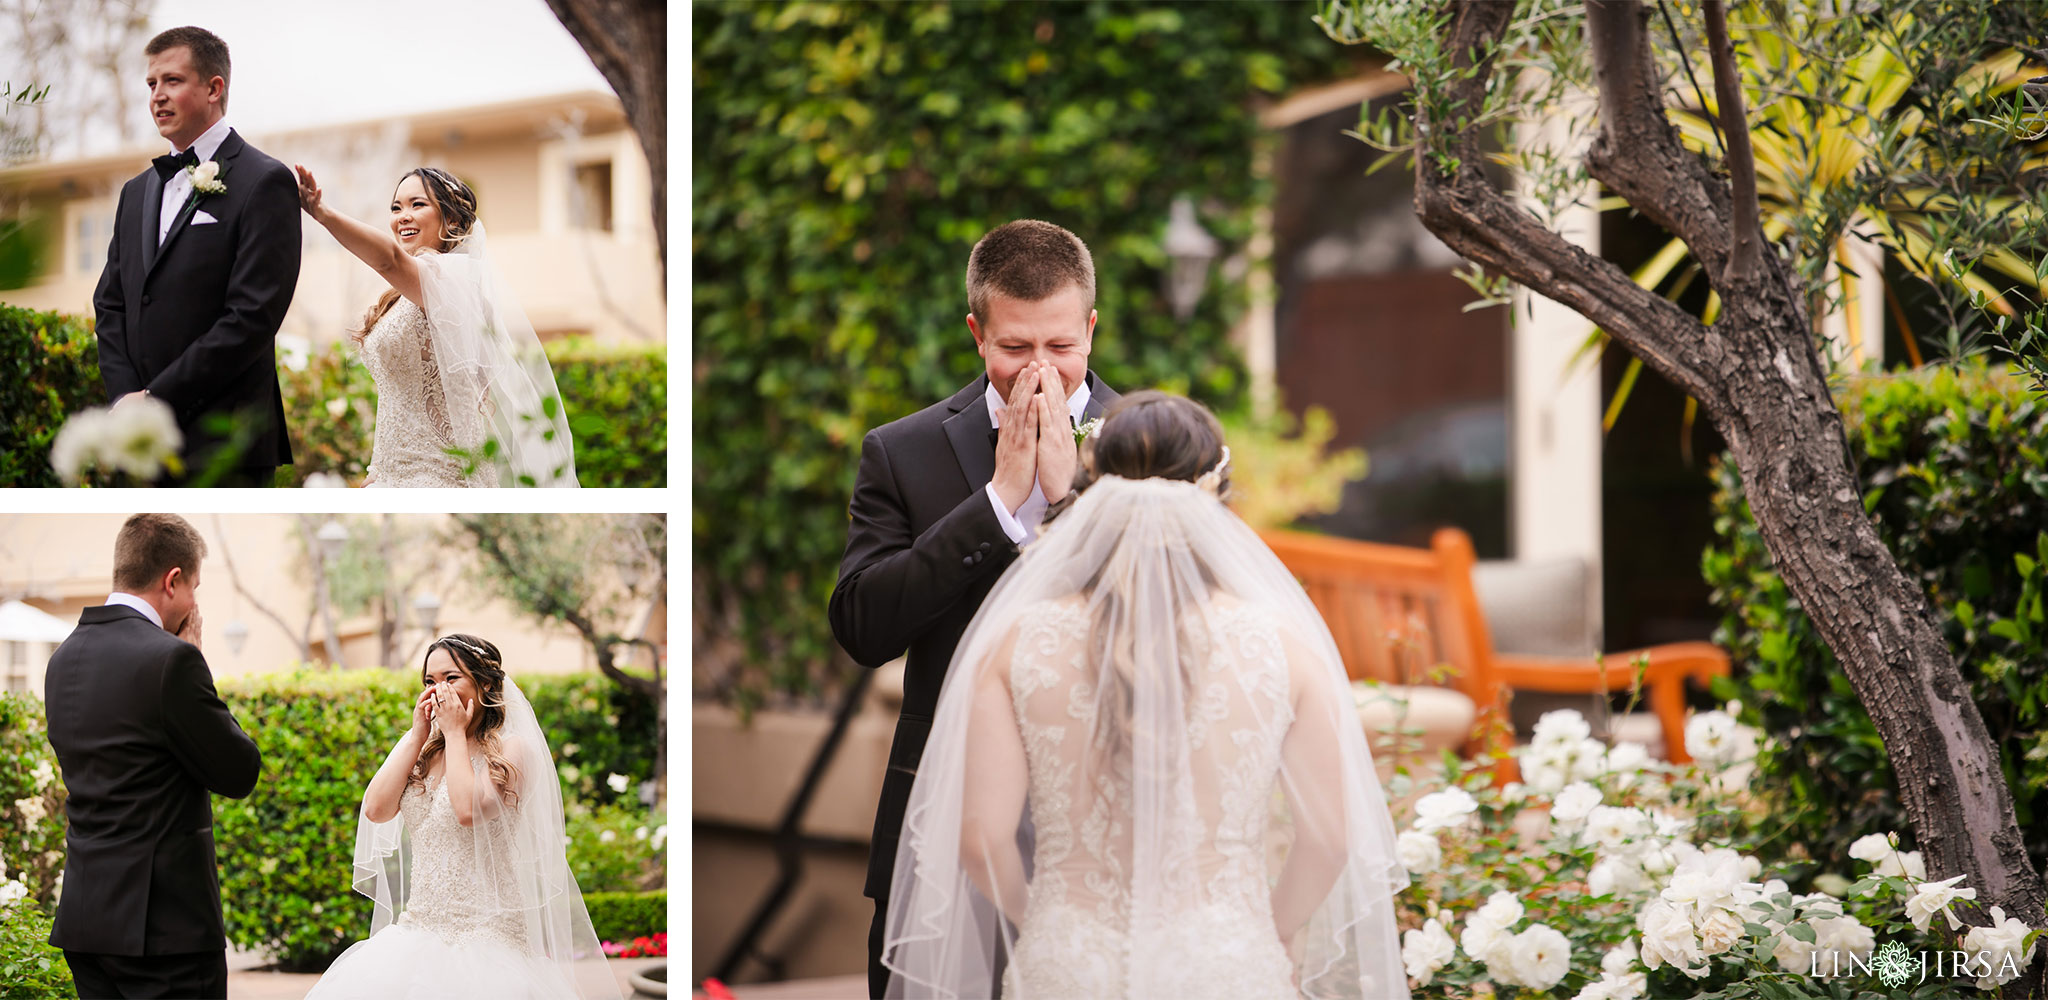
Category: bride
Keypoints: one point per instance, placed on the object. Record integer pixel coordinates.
(465, 396)
(1150, 708)
(461, 844)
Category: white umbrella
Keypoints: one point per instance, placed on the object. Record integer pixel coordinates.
(21, 622)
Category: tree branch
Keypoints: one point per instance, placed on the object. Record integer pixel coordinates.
(1749, 237)
(1471, 216)
(304, 644)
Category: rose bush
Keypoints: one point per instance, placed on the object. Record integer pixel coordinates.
(1606, 875)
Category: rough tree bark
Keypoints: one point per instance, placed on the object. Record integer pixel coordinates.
(1759, 377)
(628, 42)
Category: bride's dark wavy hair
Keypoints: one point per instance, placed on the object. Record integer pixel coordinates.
(457, 205)
(1146, 435)
(486, 669)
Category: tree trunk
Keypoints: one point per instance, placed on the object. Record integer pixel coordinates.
(1760, 379)
(628, 42)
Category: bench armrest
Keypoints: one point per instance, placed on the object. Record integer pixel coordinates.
(1664, 677)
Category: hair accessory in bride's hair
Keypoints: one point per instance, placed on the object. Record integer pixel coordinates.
(450, 640)
(1212, 480)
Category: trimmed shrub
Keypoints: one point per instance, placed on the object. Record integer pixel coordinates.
(1954, 466)
(611, 848)
(623, 916)
(329, 408)
(618, 411)
(31, 799)
(49, 369)
(29, 966)
(597, 729)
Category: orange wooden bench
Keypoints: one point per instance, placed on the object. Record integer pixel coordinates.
(1398, 613)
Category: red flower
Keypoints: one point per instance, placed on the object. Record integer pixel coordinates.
(716, 990)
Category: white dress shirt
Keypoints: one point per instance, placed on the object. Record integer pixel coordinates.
(179, 187)
(1022, 524)
(127, 600)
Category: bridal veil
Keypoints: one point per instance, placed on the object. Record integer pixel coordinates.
(1223, 761)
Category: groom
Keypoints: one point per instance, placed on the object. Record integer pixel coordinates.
(142, 738)
(944, 496)
(201, 269)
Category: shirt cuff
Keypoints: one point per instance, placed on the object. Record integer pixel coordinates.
(1011, 526)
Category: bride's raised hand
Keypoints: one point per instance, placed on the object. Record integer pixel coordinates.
(452, 713)
(423, 715)
(309, 190)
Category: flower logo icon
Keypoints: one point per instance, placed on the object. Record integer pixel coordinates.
(1893, 964)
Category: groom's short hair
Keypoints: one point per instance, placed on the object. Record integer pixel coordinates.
(209, 54)
(149, 545)
(1029, 260)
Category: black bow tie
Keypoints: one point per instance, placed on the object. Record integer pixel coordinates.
(171, 163)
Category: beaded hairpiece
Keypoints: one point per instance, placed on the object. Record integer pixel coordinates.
(1212, 480)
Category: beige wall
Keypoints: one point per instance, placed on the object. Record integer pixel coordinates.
(62, 563)
(519, 157)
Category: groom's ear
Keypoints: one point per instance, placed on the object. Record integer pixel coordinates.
(980, 345)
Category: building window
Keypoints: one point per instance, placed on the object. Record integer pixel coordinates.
(17, 666)
(590, 199)
(93, 231)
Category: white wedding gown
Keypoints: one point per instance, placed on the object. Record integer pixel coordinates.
(448, 944)
(413, 433)
(1216, 936)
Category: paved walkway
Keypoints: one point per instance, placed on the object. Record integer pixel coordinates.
(248, 981)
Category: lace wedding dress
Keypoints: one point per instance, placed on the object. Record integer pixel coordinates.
(413, 432)
(1214, 933)
(451, 941)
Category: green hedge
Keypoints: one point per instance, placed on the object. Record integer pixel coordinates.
(846, 156)
(623, 916)
(29, 966)
(597, 729)
(1954, 467)
(49, 368)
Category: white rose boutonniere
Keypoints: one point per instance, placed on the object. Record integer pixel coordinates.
(1087, 429)
(206, 178)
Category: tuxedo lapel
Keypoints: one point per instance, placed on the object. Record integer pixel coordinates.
(1099, 398)
(967, 431)
(225, 155)
(152, 212)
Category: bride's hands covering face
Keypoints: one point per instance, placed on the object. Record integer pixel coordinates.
(451, 710)
(423, 713)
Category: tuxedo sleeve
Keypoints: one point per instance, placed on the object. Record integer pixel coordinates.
(203, 734)
(260, 283)
(894, 585)
(110, 316)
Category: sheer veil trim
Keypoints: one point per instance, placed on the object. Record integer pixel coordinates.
(494, 373)
(1201, 711)
(517, 849)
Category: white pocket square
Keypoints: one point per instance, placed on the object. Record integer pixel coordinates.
(201, 219)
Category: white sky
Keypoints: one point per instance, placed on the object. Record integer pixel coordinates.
(311, 62)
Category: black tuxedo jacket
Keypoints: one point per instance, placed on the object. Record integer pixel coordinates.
(923, 549)
(142, 739)
(195, 321)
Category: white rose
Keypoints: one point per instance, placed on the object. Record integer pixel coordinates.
(569, 749)
(43, 775)
(1502, 909)
(660, 835)
(31, 809)
(337, 406)
(1715, 738)
(11, 891)
(1419, 852)
(1617, 874)
(1930, 898)
(1610, 986)
(640, 833)
(1562, 729)
(1874, 847)
(1720, 931)
(1626, 760)
(618, 783)
(1613, 826)
(1425, 951)
(1793, 955)
(1481, 939)
(1903, 865)
(1574, 803)
(1619, 959)
(2000, 944)
(1540, 957)
(1441, 810)
(607, 837)
(1841, 943)
(79, 443)
(1668, 939)
(1546, 772)
(1588, 760)
(140, 436)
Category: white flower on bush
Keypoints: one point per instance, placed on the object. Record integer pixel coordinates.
(1538, 958)
(1720, 931)
(138, 437)
(569, 749)
(1616, 874)
(1715, 738)
(324, 481)
(1486, 931)
(1668, 939)
(1841, 943)
(1561, 730)
(1426, 950)
(1574, 804)
(660, 836)
(1445, 809)
(2001, 944)
(31, 809)
(1625, 761)
(1615, 987)
(607, 837)
(1613, 826)
(640, 833)
(11, 891)
(1704, 882)
(43, 775)
(1619, 959)
(1930, 898)
(1419, 852)
(618, 783)
(1882, 850)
